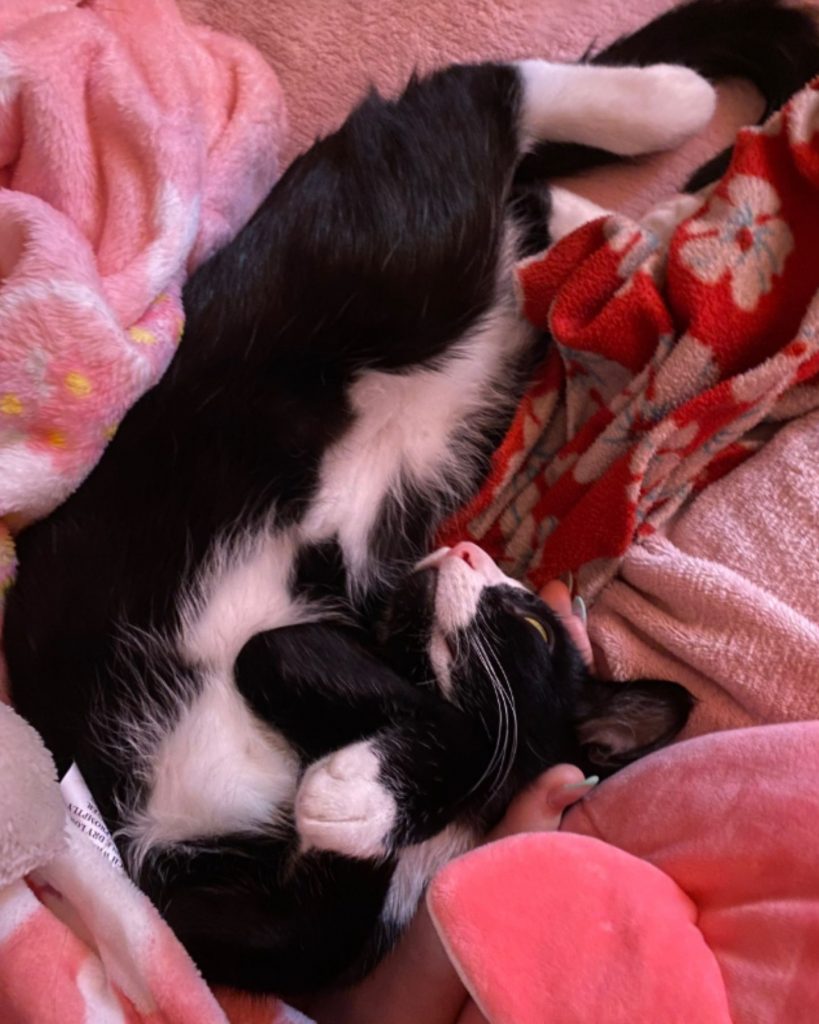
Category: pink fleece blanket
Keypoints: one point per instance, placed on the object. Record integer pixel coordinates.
(130, 147)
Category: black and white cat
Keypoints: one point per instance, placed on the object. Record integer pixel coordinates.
(289, 713)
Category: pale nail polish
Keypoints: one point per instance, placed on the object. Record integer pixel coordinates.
(588, 783)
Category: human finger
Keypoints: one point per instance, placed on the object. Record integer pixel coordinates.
(571, 614)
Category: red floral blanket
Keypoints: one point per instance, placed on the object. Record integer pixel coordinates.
(672, 362)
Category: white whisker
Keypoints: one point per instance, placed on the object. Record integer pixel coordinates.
(506, 739)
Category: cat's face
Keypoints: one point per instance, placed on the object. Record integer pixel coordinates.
(489, 644)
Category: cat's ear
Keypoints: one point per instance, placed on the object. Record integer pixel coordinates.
(619, 722)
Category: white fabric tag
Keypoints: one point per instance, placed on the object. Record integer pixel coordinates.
(86, 816)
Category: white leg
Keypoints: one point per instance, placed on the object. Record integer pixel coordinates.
(570, 211)
(624, 110)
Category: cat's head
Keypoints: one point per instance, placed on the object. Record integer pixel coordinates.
(486, 642)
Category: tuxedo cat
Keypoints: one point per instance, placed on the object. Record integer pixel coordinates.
(288, 712)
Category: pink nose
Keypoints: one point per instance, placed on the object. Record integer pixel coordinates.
(476, 558)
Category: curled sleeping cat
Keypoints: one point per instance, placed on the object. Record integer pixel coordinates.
(288, 712)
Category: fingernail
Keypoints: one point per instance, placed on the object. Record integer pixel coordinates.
(572, 793)
(579, 609)
(588, 783)
(568, 579)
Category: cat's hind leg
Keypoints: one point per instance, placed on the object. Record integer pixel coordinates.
(570, 211)
(625, 110)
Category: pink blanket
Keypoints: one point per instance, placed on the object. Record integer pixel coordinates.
(725, 601)
(130, 146)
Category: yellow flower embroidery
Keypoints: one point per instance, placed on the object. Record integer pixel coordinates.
(56, 438)
(142, 336)
(11, 405)
(78, 384)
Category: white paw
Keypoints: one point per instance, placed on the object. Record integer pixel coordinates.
(664, 105)
(342, 807)
(570, 211)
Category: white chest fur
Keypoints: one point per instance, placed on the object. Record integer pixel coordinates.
(219, 770)
(406, 432)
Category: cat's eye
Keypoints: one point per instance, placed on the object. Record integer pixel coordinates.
(545, 632)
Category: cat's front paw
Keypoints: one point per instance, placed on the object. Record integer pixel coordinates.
(341, 805)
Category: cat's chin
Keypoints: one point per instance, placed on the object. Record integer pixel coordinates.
(465, 572)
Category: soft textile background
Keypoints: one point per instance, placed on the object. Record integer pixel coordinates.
(327, 54)
(726, 603)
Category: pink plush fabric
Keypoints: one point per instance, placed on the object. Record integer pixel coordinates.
(583, 932)
(131, 145)
(708, 911)
(79, 943)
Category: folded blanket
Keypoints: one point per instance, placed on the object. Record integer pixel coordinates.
(726, 602)
(131, 145)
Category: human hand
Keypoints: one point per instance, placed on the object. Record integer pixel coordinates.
(572, 613)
